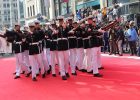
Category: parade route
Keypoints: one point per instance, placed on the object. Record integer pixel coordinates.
(121, 81)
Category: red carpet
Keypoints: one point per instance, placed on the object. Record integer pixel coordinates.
(121, 81)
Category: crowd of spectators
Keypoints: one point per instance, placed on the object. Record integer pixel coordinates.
(122, 38)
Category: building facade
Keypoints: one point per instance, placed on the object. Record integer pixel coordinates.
(128, 6)
(21, 12)
(32, 8)
(37, 10)
(63, 7)
(95, 4)
(9, 14)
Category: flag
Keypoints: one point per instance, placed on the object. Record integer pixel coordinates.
(47, 3)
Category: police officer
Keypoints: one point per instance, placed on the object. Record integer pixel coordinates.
(34, 51)
(63, 49)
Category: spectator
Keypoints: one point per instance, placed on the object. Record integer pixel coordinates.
(110, 14)
(106, 42)
(132, 38)
(115, 12)
(126, 39)
(104, 13)
(112, 41)
(139, 42)
(79, 14)
(99, 16)
(120, 38)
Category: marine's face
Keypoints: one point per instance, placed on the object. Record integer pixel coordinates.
(90, 21)
(17, 27)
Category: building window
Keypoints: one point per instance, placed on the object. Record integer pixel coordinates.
(5, 18)
(8, 11)
(28, 12)
(8, 5)
(8, 18)
(4, 5)
(33, 10)
(69, 6)
(13, 5)
(56, 8)
(63, 8)
(5, 12)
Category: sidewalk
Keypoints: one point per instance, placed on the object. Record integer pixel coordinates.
(121, 57)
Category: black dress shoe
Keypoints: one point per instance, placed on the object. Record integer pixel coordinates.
(34, 79)
(30, 67)
(39, 69)
(14, 73)
(101, 68)
(16, 77)
(110, 53)
(23, 72)
(28, 75)
(76, 68)
(64, 78)
(56, 64)
(43, 75)
(75, 74)
(120, 54)
(98, 75)
(83, 70)
(37, 74)
(67, 75)
(54, 75)
(49, 71)
(90, 72)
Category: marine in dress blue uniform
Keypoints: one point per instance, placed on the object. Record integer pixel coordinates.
(72, 40)
(63, 48)
(34, 52)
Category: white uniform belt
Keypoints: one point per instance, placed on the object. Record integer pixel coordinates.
(35, 43)
(85, 38)
(40, 41)
(79, 38)
(49, 39)
(18, 42)
(62, 39)
(89, 36)
(72, 37)
(54, 40)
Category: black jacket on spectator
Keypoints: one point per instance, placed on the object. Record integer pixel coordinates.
(120, 34)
